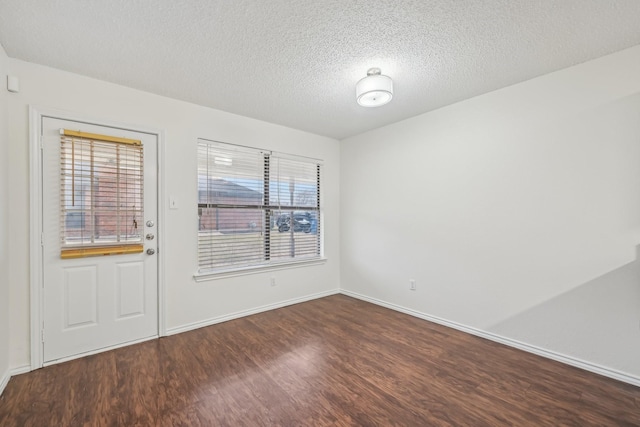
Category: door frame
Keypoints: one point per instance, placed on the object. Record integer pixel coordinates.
(36, 267)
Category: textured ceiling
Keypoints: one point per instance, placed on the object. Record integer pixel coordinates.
(296, 62)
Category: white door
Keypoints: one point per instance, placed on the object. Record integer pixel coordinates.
(100, 268)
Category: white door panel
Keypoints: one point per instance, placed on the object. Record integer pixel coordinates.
(80, 296)
(130, 289)
(96, 302)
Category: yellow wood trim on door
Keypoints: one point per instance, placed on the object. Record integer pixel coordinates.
(100, 251)
(95, 136)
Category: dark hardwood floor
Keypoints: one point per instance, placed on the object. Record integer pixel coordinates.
(332, 361)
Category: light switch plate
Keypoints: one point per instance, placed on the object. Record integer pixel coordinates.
(13, 84)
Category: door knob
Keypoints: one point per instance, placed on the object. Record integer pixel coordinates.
(151, 251)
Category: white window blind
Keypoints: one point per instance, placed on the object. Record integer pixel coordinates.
(294, 198)
(255, 207)
(101, 198)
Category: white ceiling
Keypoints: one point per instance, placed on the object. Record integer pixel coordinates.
(296, 62)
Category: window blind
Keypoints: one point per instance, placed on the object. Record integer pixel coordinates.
(295, 199)
(255, 207)
(101, 197)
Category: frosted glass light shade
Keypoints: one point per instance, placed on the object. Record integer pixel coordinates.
(374, 90)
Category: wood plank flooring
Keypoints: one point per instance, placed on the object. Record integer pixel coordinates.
(335, 361)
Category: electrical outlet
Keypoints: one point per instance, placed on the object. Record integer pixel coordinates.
(273, 281)
(412, 284)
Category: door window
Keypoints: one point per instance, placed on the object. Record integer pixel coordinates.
(101, 197)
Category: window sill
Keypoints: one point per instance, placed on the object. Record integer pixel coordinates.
(223, 274)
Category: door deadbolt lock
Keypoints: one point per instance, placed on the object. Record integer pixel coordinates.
(150, 236)
(151, 251)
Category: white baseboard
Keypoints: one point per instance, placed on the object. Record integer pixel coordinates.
(588, 366)
(572, 361)
(4, 380)
(244, 313)
(20, 370)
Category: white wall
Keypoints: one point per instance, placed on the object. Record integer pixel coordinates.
(507, 204)
(188, 302)
(4, 204)
(516, 212)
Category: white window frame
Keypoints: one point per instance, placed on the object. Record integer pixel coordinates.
(267, 264)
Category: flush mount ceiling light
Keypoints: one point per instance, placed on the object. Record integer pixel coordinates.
(375, 89)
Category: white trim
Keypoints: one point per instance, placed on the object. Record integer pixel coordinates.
(558, 357)
(162, 207)
(100, 350)
(213, 275)
(4, 380)
(36, 114)
(244, 313)
(19, 370)
(35, 232)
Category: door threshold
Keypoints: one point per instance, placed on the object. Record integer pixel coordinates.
(100, 350)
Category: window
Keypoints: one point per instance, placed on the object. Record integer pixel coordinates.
(255, 208)
(101, 194)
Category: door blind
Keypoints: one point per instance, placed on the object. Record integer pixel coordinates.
(255, 207)
(101, 197)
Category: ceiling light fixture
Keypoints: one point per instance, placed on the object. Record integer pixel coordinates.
(375, 89)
